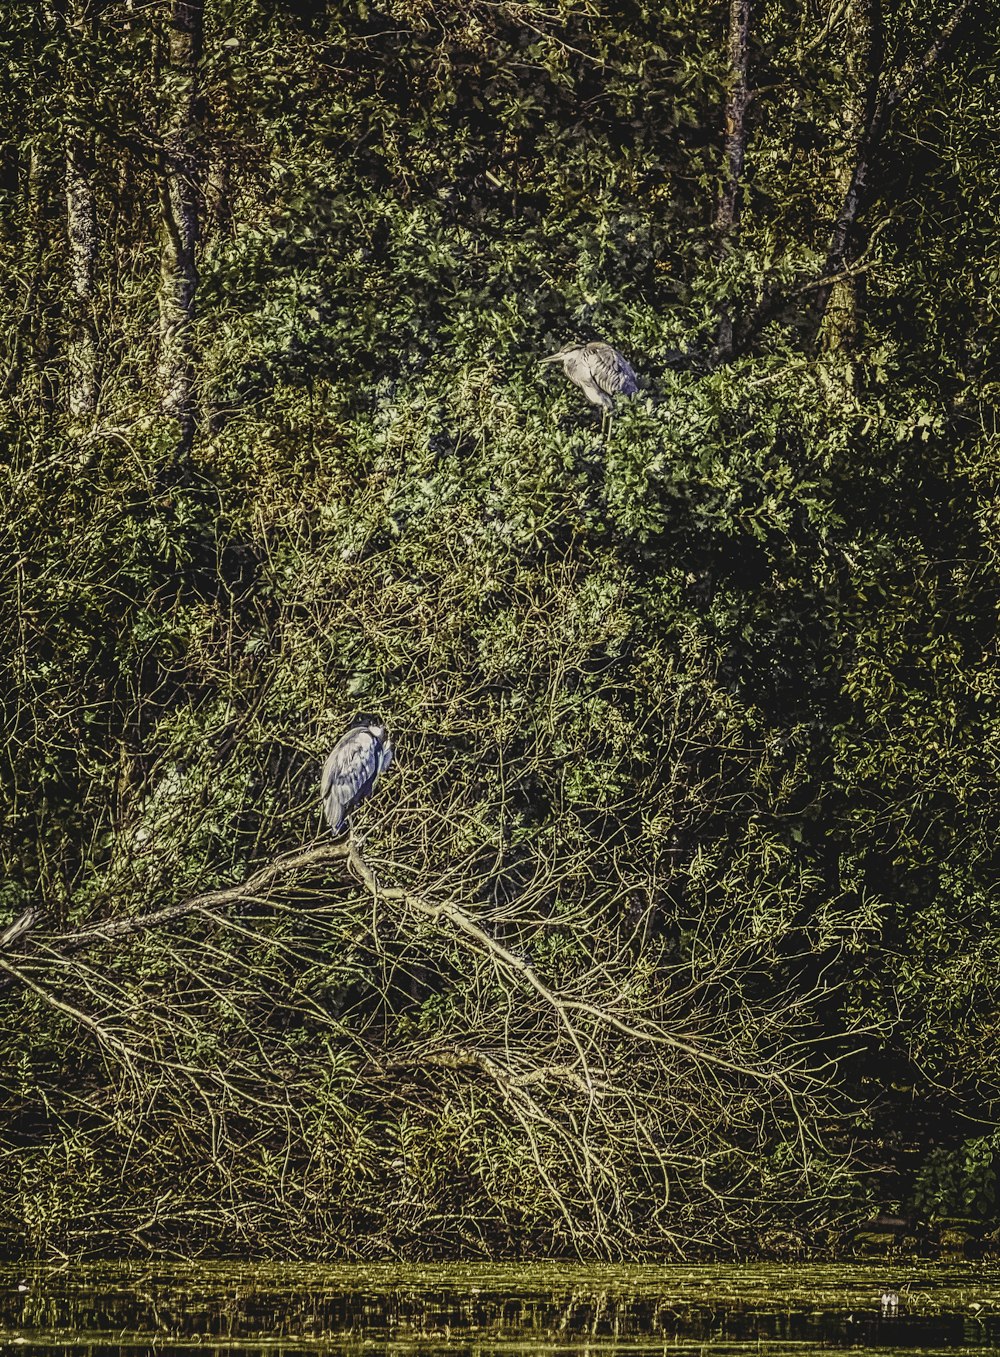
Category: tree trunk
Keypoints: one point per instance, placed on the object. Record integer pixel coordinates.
(81, 229)
(858, 192)
(840, 320)
(218, 200)
(40, 363)
(737, 104)
(874, 117)
(82, 239)
(179, 203)
(35, 376)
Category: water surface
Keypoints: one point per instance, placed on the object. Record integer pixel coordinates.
(390, 1310)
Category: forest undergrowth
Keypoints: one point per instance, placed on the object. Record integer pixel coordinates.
(670, 932)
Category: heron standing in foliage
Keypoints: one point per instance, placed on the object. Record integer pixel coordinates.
(351, 769)
(599, 371)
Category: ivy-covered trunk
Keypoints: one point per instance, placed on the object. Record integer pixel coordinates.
(738, 101)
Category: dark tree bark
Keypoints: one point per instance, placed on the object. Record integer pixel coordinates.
(179, 214)
(859, 190)
(878, 111)
(841, 319)
(737, 104)
(30, 342)
(41, 344)
(218, 198)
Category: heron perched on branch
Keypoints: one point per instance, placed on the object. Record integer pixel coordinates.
(351, 769)
(599, 371)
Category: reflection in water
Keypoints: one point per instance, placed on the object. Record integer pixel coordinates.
(121, 1311)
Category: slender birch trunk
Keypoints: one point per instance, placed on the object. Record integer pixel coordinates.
(179, 215)
(82, 239)
(81, 230)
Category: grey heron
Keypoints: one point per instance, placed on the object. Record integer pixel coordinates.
(599, 371)
(351, 768)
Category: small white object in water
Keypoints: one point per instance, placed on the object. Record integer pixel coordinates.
(889, 1304)
(23, 1285)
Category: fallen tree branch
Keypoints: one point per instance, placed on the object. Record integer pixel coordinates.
(113, 930)
(565, 1007)
(577, 1016)
(18, 928)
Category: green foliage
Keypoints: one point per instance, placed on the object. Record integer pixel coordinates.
(959, 1182)
(696, 720)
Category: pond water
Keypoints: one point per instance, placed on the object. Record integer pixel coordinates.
(482, 1310)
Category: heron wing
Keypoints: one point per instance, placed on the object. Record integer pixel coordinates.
(610, 371)
(348, 773)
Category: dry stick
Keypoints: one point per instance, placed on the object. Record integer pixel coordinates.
(466, 925)
(514, 1095)
(254, 887)
(128, 1054)
(489, 945)
(84, 1019)
(18, 928)
(461, 920)
(306, 1004)
(834, 15)
(536, 1155)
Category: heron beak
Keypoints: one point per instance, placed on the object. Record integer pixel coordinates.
(552, 358)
